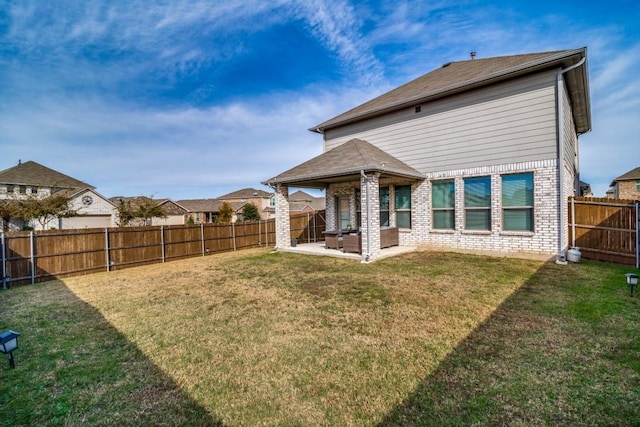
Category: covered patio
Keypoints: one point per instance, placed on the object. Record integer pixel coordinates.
(368, 199)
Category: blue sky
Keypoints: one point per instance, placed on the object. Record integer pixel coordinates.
(196, 99)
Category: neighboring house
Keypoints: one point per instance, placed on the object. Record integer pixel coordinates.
(477, 155)
(31, 179)
(626, 186)
(259, 198)
(205, 211)
(585, 190)
(175, 213)
(300, 201)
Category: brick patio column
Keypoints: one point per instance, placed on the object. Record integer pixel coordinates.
(370, 194)
(283, 224)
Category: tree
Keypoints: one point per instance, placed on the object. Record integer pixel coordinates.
(250, 212)
(225, 212)
(9, 208)
(125, 213)
(45, 209)
(147, 209)
(142, 209)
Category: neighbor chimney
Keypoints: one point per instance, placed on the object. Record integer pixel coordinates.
(473, 55)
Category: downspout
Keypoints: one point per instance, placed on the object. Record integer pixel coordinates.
(368, 252)
(560, 112)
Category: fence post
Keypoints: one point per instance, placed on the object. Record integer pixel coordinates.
(259, 232)
(202, 236)
(106, 248)
(233, 235)
(4, 261)
(164, 254)
(33, 259)
(573, 223)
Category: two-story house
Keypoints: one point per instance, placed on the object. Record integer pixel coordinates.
(627, 185)
(31, 179)
(477, 155)
(259, 198)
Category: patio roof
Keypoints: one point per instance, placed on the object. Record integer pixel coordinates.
(345, 163)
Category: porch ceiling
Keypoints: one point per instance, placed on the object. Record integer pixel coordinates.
(344, 163)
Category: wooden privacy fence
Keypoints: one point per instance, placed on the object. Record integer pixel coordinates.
(30, 257)
(605, 229)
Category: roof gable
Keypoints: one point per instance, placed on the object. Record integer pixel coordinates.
(455, 77)
(35, 174)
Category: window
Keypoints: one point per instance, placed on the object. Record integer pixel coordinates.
(384, 206)
(477, 203)
(358, 208)
(638, 185)
(403, 206)
(517, 202)
(342, 205)
(443, 204)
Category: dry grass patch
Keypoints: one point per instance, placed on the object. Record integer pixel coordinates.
(283, 339)
(280, 338)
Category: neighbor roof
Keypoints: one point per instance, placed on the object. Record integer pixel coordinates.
(345, 160)
(455, 77)
(632, 175)
(246, 193)
(35, 174)
(207, 205)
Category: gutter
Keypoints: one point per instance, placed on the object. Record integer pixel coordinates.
(560, 118)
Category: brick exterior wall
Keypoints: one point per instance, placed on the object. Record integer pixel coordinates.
(542, 241)
(627, 190)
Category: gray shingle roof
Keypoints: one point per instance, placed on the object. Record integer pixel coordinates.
(35, 174)
(632, 175)
(345, 160)
(460, 76)
(246, 193)
(207, 205)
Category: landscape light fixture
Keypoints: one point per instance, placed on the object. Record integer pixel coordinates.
(632, 281)
(8, 343)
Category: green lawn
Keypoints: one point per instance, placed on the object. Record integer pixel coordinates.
(282, 339)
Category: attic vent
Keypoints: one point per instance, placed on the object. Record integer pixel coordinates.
(418, 109)
(446, 65)
(255, 193)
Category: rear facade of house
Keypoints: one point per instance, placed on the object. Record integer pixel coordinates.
(496, 141)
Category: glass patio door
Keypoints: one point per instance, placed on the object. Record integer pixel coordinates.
(342, 207)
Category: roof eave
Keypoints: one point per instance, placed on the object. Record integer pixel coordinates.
(460, 87)
(318, 178)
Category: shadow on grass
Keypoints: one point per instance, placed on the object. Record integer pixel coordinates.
(562, 350)
(73, 368)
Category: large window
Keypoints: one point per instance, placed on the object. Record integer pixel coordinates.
(477, 203)
(443, 204)
(384, 206)
(403, 206)
(517, 202)
(342, 211)
(358, 208)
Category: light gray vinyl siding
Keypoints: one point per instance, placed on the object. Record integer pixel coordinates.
(570, 139)
(508, 122)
